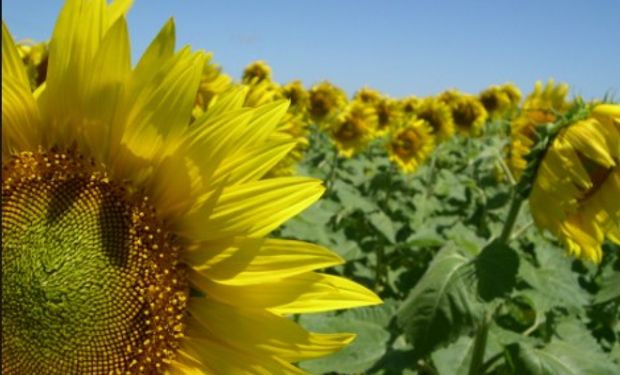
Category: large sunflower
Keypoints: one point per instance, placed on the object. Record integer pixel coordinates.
(575, 195)
(132, 241)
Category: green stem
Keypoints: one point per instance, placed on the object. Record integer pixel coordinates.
(480, 344)
(513, 212)
(329, 183)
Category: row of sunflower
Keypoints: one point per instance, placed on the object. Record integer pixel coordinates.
(137, 202)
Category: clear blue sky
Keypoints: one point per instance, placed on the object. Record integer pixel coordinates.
(398, 47)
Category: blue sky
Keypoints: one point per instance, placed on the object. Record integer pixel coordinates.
(397, 47)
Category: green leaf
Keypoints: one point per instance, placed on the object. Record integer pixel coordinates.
(383, 224)
(610, 288)
(560, 358)
(369, 346)
(442, 305)
(496, 270)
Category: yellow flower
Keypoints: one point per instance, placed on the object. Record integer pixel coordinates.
(410, 145)
(409, 105)
(367, 95)
(326, 100)
(575, 194)
(134, 242)
(438, 115)
(256, 72)
(468, 113)
(261, 93)
(297, 94)
(500, 101)
(388, 115)
(540, 107)
(212, 84)
(353, 129)
(34, 56)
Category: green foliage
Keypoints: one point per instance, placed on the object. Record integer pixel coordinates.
(430, 245)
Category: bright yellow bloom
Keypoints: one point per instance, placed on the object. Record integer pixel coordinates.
(353, 129)
(367, 95)
(326, 100)
(438, 115)
(540, 107)
(34, 56)
(133, 241)
(261, 93)
(500, 100)
(388, 115)
(575, 195)
(212, 84)
(409, 105)
(410, 145)
(256, 72)
(468, 113)
(297, 94)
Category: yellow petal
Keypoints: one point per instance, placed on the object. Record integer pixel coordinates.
(252, 209)
(303, 293)
(259, 260)
(12, 65)
(264, 333)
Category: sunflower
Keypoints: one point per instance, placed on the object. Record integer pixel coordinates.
(326, 100)
(500, 101)
(438, 115)
(409, 105)
(212, 83)
(134, 242)
(388, 115)
(468, 113)
(541, 107)
(411, 144)
(353, 128)
(298, 96)
(575, 194)
(367, 95)
(34, 55)
(256, 72)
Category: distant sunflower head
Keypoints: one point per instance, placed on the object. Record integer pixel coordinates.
(410, 144)
(34, 57)
(298, 96)
(468, 114)
(388, 115)
(438, 116)
(541, 107)
(500, 101)
(212, 83)
(353, 128)
(133, 242)
(367, 95)
(409, 105)
(326, 100)
(256, 72)
(575, 194)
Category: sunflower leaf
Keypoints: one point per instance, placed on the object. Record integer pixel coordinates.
(443, 304)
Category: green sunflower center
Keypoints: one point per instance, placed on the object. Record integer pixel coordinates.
(90, 283)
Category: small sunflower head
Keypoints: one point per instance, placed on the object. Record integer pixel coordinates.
(353, 128)
(34, 57)
(297, 94)
(542, 106)
(388, 115)
(367, 95)
(468, 114)
(212, 83)
(438, 116)
(500, 101)
(410, 144)
(326, 100)
(256, 72)
(575, 193)
(409, 105)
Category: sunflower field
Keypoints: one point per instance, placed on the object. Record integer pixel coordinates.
(166, 218)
